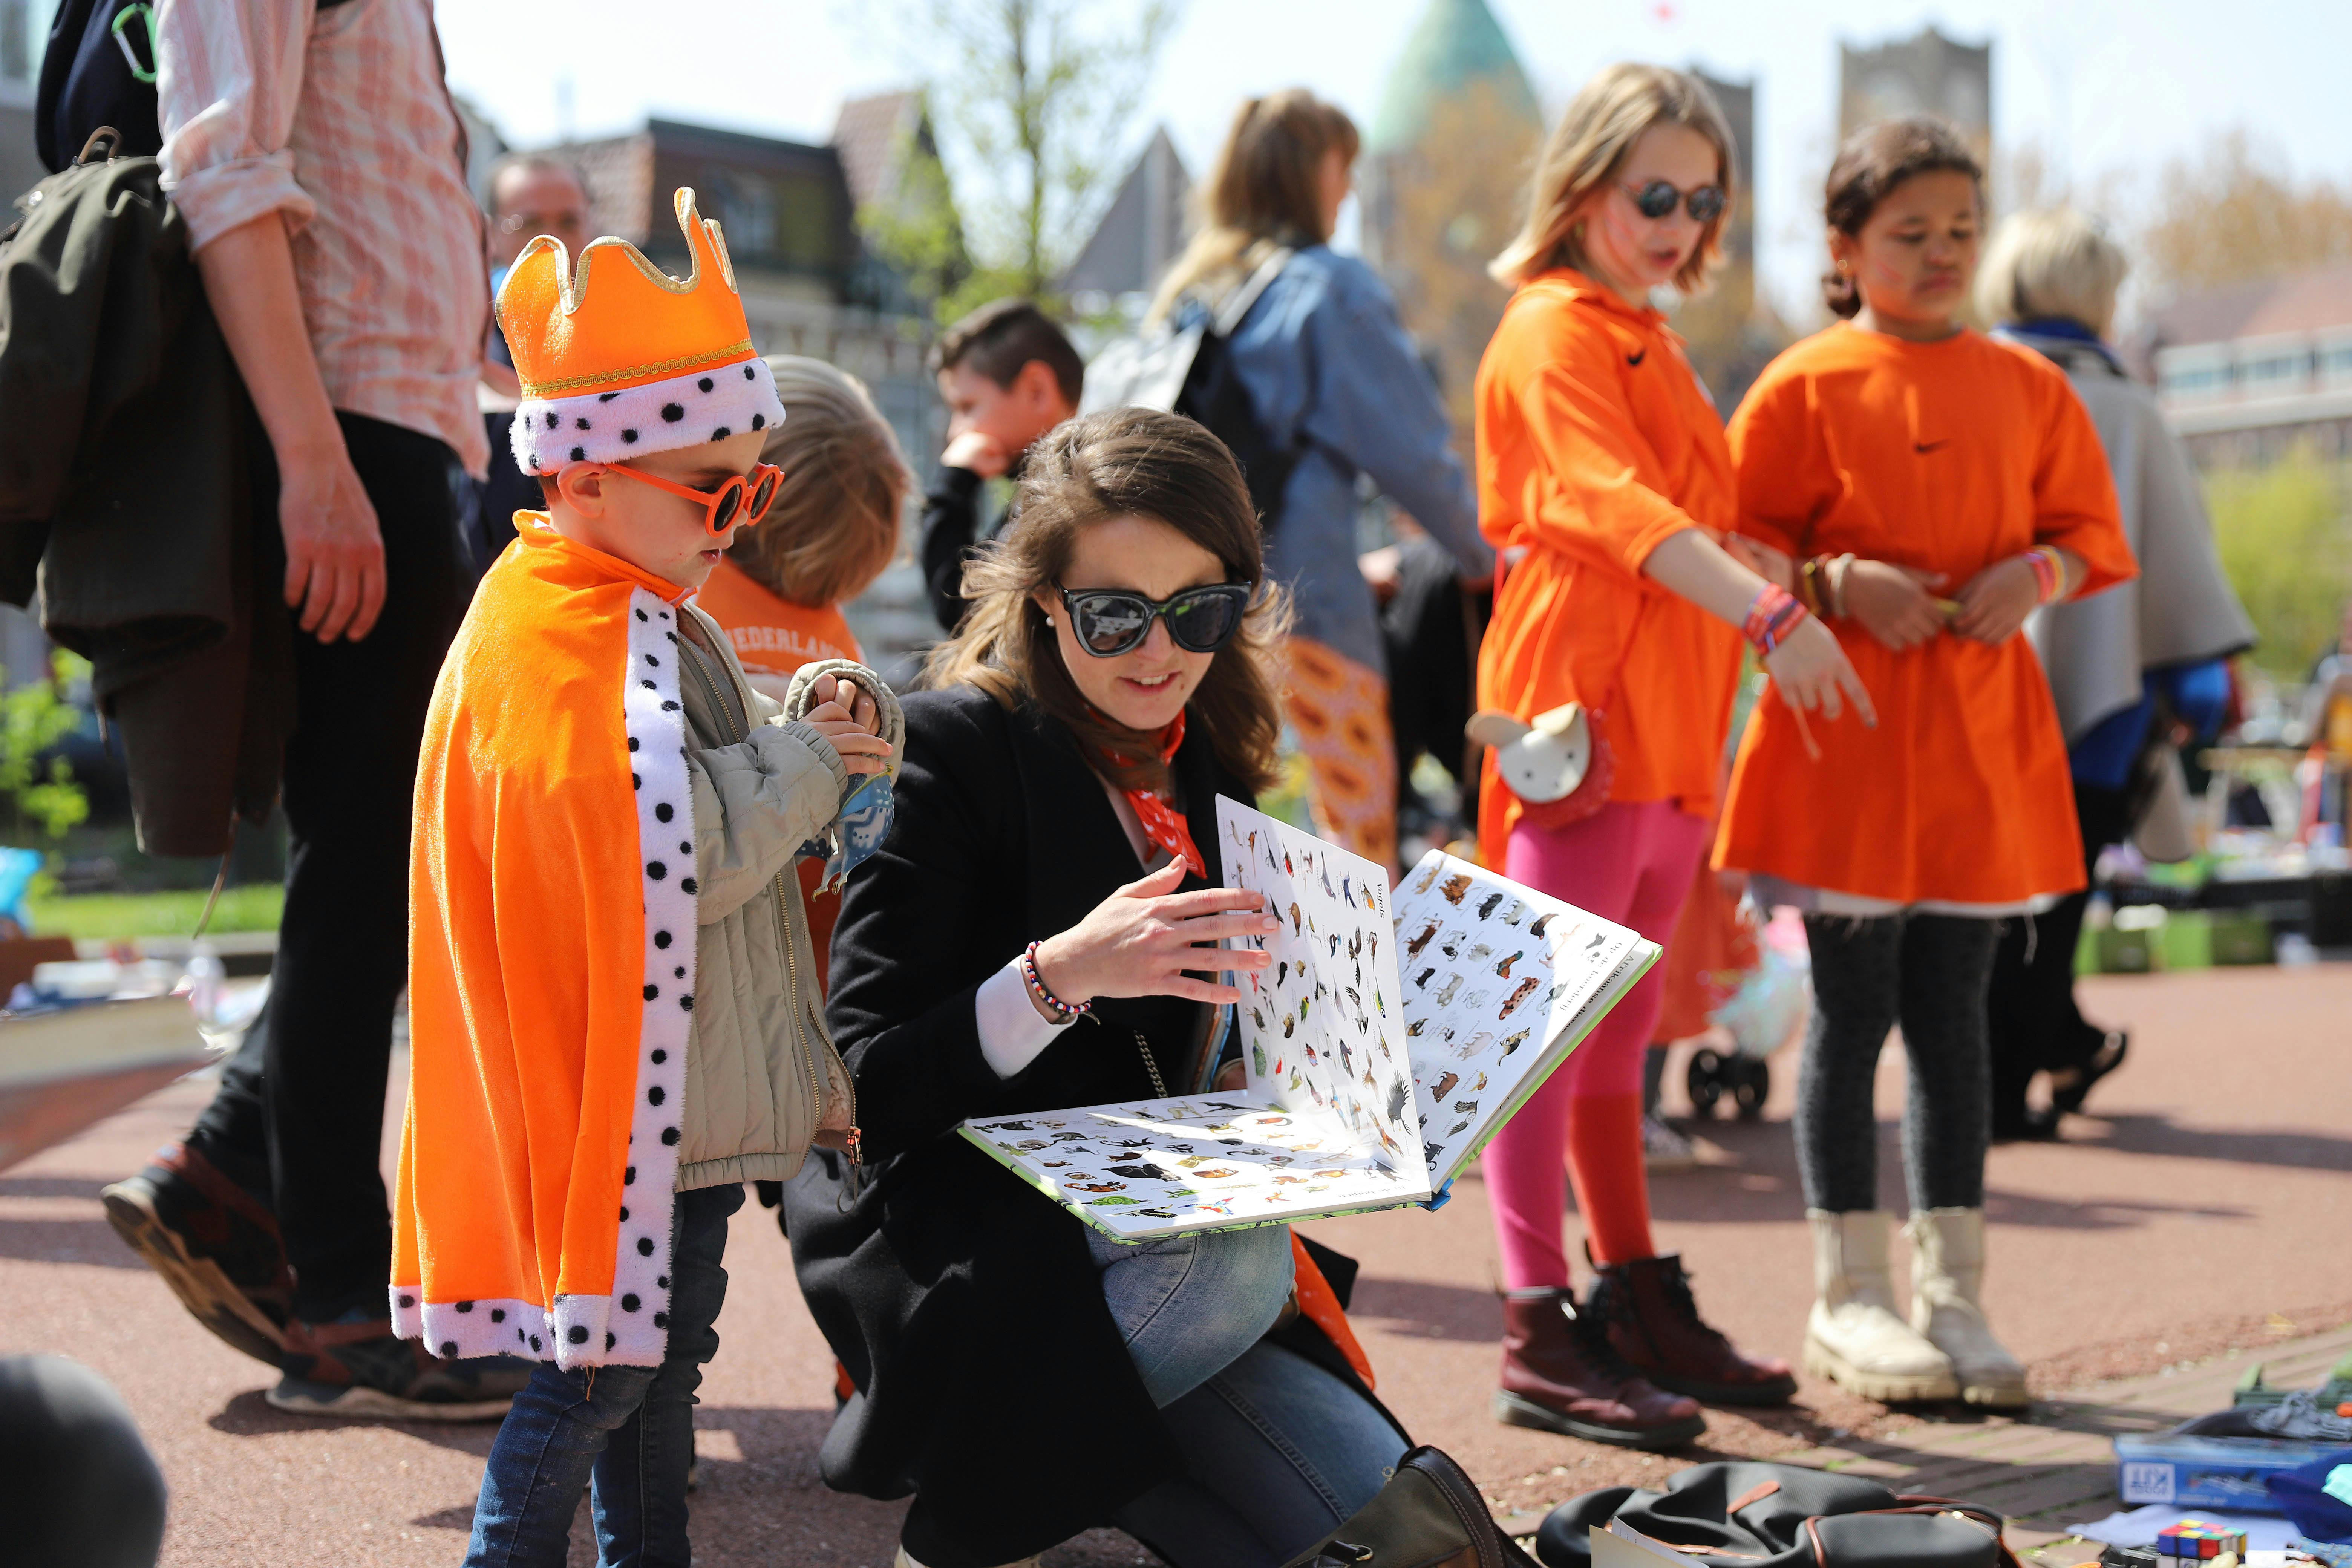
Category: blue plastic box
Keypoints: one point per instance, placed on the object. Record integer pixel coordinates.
(2224, 1474)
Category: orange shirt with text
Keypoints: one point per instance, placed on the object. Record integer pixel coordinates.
(772, 635)
(1950, 457)
(1596, 443)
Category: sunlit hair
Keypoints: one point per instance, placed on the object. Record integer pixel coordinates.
(834, 525)
(2055, 262)
(1586, 150)
(1123, 462)
(1265, 191)
(1873, 161)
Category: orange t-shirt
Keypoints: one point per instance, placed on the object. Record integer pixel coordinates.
(1596, 443)
(1946, 456)
(772, 635)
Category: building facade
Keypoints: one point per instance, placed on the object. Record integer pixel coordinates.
(2248, 373)
(1929, 74)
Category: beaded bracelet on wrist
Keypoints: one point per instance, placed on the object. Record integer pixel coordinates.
(1037, 988)
(2049, 571)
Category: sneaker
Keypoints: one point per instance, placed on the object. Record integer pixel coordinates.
(1662, 1148)
(215, 1246)
(360, 1370)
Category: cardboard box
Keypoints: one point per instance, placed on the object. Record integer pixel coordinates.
(2224, 1474)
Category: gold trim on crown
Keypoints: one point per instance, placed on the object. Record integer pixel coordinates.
(716, 357)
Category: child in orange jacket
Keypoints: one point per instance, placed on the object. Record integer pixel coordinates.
(604, 941)
(1604, 482)
(831, 530)
(1935, 486)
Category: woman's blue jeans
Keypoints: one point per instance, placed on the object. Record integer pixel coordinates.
(625, 1432)
(1279, 1451)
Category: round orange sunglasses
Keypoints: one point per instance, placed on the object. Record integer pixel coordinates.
(748, 496)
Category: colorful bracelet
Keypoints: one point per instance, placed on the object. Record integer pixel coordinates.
(2049, 571)
(1771, 616)
(1036, 983)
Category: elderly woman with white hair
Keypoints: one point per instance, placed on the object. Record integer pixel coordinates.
(2132, 669)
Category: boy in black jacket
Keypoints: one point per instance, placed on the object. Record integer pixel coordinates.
(1008, 376)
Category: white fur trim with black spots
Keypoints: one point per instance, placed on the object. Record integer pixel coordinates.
(660, 416)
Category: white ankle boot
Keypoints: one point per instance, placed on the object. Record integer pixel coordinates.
(1946, 1306)
(1854, 1336)
(903, 1560)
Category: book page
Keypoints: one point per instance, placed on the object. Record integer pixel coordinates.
(1322, 1029)
(1209, 1162)
(1499, 982)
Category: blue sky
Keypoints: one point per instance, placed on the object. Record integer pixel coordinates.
(2108, 88)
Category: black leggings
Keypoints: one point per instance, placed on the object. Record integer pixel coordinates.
(1927, 973)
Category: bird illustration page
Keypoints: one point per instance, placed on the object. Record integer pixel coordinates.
(1350, 1064)
(1500, 984)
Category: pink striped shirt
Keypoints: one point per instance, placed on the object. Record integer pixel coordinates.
(338, 120)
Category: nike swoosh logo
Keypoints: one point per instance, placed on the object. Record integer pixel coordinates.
(1637, 359)
(1930, 446)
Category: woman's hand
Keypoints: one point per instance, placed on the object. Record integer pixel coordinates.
(1812, 672)
(1893, 602)
(1774, 566)
(849, 718)
(1139, 940)
(1994, 604)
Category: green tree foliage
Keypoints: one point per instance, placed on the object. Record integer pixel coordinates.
(2286, 544)
(1034, 98)
(33, 719)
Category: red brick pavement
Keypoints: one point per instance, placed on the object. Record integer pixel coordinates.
(2222, 1154)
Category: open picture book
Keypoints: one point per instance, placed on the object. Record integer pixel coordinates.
(1393, 1034)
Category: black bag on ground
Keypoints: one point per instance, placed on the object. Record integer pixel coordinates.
(1430, 1515)
(1782, 1515)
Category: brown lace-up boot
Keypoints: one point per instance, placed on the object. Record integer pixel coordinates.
(1655, 1324)
(1561, 1375)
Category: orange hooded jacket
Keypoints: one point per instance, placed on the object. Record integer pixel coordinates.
(551, 889)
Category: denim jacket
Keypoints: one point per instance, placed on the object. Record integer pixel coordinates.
(1329, 366)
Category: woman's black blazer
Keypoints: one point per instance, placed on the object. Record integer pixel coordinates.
(993, 1381)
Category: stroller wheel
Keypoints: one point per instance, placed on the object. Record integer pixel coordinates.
(1705, 1081)
(1752, 1082)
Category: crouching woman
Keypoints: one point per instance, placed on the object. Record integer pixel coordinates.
(1024, 1376)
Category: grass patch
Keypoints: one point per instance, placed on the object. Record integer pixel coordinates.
(104, 915)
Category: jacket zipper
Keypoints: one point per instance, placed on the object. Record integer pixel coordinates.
(784, 941)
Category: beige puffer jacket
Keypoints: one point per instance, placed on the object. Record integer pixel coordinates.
(761, 1071)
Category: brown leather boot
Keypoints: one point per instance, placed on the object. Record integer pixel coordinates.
(1655, 1324)
(1561, 1375)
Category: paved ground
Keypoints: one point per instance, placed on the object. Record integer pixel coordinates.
(2223, 1153)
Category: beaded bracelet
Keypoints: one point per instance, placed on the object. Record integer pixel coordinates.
(1771, 616)
(1833, 574)
(1036, 983)
(2049, 572)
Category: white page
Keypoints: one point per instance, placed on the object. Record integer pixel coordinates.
(1322, 1029)
(1499, 983)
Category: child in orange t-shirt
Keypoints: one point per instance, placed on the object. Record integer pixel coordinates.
(1604, 480)
(832, 529)
(1935, 488)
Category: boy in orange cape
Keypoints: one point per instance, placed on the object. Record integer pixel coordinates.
(613, 1011)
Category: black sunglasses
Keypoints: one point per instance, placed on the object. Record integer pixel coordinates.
(1657, 198)
(1112, 621)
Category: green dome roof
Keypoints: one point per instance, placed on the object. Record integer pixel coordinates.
(1459, 42)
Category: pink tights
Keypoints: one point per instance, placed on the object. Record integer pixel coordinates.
(1631, 863)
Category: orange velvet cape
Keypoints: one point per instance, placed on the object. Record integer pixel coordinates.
(552, 939)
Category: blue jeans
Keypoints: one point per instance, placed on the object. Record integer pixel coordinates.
(1280, 1452)
(627, 1432)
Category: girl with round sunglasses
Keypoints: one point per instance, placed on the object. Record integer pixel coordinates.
(1025, 940)
(1605, 484)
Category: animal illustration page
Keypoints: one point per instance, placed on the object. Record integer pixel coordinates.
(1384, 1045)
(1500, 984)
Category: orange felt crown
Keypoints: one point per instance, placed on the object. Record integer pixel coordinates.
(618, 357)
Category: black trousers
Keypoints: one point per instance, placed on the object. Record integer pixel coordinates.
(2035, 1025)
(298, 1120)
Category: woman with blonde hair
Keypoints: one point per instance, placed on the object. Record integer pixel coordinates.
(1335, 390)
(1604, 480)
(2160, 643)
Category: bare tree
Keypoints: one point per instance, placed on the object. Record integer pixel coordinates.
(1033, 99)
(2237, 216)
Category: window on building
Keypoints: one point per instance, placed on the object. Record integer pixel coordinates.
(2271, 369)
(2192, 381)
(2335, 364)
